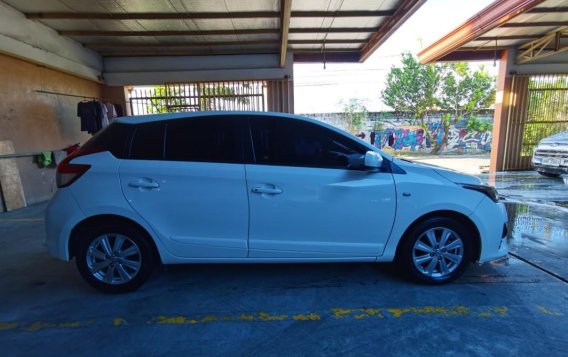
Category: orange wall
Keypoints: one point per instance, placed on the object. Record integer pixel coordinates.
(37, 121)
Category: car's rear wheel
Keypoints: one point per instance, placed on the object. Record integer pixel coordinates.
(436, 251)
(547, 174)
(114, 258)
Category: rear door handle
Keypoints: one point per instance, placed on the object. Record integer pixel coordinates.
(144, 183)
(269, 190)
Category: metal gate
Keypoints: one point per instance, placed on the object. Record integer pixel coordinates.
(539, 108)
(199, 96)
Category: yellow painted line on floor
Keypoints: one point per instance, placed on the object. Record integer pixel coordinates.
(353, 314)
(11, 220)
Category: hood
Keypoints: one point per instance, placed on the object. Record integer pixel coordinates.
(448, 174)
(560, 138)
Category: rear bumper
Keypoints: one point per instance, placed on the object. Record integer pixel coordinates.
(61, 215)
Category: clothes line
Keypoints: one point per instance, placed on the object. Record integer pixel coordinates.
(73, 95)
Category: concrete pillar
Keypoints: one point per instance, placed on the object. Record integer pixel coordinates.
(10, 182)
(502, 104)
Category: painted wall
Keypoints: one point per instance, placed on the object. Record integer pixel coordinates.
(401, 132)
(36, 121)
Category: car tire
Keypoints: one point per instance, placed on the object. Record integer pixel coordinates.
(548, 174)
(114, 258)
(436, 251)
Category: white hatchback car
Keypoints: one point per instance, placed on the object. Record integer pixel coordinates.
(244, 187)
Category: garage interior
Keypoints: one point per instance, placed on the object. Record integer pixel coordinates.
(56, 53)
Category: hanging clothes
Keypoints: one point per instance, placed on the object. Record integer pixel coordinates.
(89, 113)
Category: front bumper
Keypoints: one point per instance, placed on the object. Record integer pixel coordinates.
(491, 221)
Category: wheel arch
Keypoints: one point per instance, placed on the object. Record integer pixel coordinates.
(99, 220)
(463, 219)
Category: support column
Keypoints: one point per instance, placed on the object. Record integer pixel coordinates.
(502, 104)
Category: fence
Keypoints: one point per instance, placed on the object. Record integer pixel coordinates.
(199, 96)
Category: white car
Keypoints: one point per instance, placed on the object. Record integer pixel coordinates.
(550, 157)
(250, 187)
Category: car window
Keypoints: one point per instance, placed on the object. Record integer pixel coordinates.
(148, 142)
(291, 142)
(113, 138)
(206, 139)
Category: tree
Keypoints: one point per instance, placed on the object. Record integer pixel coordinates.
(412, 87)
(463, 94)
(418, 88)
(355, 114)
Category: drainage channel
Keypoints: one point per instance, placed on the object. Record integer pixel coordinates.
(554, 275)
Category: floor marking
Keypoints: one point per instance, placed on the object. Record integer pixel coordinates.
(352, 314)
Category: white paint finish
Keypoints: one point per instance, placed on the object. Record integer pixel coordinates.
(199, 209)
(158, 70)
(34, 41)
(319, 212)
(200, 212)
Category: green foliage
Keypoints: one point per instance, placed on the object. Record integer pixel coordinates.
(355, 113)
(412, 87)
(476, 124)
(465, 92)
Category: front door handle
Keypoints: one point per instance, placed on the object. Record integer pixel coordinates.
(269, 190)
(144, 184)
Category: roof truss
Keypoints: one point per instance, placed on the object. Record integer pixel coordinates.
(545, 46)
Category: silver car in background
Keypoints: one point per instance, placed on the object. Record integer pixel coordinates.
(550, 157)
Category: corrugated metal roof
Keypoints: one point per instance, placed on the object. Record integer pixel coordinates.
(161, 27)
(530, 26)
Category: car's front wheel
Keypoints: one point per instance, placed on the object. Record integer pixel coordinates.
(436, 251)
(114, 258)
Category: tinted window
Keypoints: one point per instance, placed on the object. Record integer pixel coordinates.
(113, 138)
(291, 142)
(148, 142)
(206, 139)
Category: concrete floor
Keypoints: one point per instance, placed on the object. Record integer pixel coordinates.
(514, 309)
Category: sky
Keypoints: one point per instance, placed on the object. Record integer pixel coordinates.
(319, 90)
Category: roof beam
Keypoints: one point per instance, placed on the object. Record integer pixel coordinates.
(547, 10)
(404, 10)
(118, 45)
(512, 37)
(197, 15)
(81, 33)
(286, 9)
(494, 15)
(334, 53)
(534, 24)
(545, 46)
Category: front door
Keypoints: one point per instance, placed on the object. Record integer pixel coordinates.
(311, 197)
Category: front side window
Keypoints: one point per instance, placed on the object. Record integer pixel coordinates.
(204, 139)
(291, 142)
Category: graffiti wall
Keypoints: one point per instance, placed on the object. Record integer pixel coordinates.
(400, 132)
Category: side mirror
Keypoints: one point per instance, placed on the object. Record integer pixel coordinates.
(373, 160)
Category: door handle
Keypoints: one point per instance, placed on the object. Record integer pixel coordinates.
(144, 184)
(270, 190)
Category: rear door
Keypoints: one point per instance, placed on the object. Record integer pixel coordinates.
(186, 178)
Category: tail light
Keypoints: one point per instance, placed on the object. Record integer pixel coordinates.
(67, 173)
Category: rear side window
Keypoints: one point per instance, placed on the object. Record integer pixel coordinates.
(291, 142)
(114, 138)
(205, 139)
(148, 142)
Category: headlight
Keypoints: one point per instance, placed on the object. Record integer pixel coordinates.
(489, 191)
